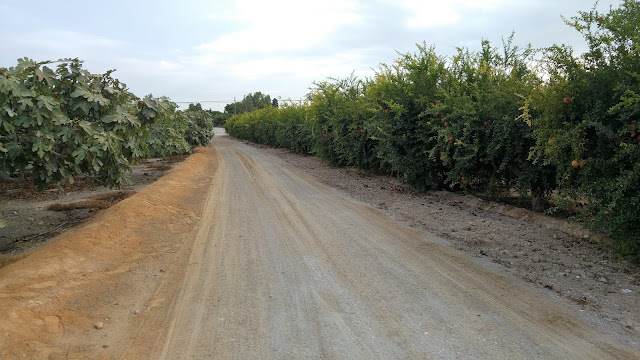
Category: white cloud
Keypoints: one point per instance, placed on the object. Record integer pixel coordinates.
(208, 59)
(283, 25)
(66, 41)
(436, 13)
(169, 66)
(298, 67)
(154, 67)
(215, 16)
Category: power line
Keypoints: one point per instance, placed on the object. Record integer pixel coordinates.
(203, 101)
(227, 101)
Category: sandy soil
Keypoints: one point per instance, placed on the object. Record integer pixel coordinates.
(237, 253)
(34, 217)
(119, 272)
(555, 254)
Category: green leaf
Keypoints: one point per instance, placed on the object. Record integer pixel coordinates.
(148, 113)
(39, 74)
(112, 118)
(8, 110)
(80, 92)
(101, 100)
(87, 127)
(48, 102)
(79, 154)
(81, 105)
(25, 102)
(151, 103)
(13, 149)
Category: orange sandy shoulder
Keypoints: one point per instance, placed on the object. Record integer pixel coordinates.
(115, 272)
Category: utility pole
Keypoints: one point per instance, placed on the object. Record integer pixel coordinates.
(235, 106)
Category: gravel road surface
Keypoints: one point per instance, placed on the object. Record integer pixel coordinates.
(236, 254)
(286, 267)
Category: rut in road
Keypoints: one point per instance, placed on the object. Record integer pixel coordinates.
(286, 267)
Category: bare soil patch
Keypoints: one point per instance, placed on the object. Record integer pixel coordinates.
(103, 201)
(33, 217)
(105, 287)
(119, 285)
(555, 254)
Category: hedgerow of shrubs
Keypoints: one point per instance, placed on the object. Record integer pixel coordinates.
(542, 122)
(59, 123)
(176, 132)
(584, 119)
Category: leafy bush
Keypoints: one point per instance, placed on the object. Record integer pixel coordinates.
(288, 126)
(491, 121)
(167, 133)
(56, 124)
(69, 121)
(406, 96)
(199, 124)
(342, 122)
(585, 118)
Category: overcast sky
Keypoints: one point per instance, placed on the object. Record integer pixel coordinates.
(194, 50)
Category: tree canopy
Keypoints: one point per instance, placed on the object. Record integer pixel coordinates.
(249, 103)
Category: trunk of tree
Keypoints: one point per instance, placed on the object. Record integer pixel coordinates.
(537, 202)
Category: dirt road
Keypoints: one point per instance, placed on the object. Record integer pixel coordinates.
(288, 268)
(274, 264)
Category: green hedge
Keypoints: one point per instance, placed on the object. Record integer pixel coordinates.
(61, 122)
(540, 122)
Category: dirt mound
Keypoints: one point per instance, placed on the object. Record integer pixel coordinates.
(34, 216)
(102, 201)
(105, 271)
(25, 189)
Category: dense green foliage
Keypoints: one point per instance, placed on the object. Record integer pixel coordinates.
(249, 103)
(176, 132)
(287, 127)
(219, 118)
(596, 126)
(540, 122)
(59, 123)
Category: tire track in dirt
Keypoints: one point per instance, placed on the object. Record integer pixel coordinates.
(236, 254)
(295, 269)
(123, 268)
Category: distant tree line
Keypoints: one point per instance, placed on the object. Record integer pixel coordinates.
(219, 118)
(251, 102)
